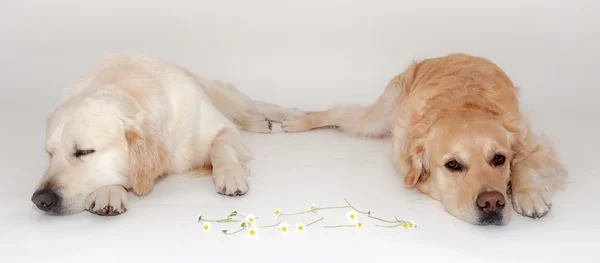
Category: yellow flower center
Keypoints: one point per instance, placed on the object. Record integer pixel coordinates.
(405, 225)
(410, 225)
(205, 227)
(352, 216)
(359, 224)
(300, 228)
(249, 224)
(284, 229)
(252, 232)
(312, 207)
(277, 212)
(251, 220)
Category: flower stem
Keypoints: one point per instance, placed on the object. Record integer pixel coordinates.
(389, 226)
(315, 210)
(315, 221)
(228, 220)
(340, 226)
(383, 220)
(351, 206)
(295, 214)
(270, 225)
(371, 216)
(234, 232)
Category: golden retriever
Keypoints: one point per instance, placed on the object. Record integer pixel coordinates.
(458, 136)
(133, 119)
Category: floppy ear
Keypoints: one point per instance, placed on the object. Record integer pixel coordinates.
(147, 157)
(414, 148)
(416, 162)
(519, 136)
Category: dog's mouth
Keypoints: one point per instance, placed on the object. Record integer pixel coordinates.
(493, 218)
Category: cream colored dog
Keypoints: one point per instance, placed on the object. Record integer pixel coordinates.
(134, 119)
(458, 136)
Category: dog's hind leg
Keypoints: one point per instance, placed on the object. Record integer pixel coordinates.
(269, 111)
(246, 113)
(375, 120)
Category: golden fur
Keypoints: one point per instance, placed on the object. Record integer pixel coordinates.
(457, 108)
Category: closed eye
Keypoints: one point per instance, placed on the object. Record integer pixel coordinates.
(78, 153)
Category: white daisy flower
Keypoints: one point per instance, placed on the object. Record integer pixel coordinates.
(253, 231)
(250, 219)
(351, 216)
(277, 213)
(284, 228)
(359, 224)
(312, 207)
(412, 225)
(206, 226)
(300, 227)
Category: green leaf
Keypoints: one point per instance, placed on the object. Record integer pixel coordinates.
(234, 213)
(224, 231)
(200, 218)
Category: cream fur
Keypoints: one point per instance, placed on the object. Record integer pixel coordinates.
(144, 119)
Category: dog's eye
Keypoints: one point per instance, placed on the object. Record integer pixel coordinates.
(79, 153)
(499, 159)
(453, 165)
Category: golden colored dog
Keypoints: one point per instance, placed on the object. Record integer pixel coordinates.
(458, 136)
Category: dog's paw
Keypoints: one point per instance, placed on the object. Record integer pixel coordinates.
(296, 123)
(257, 123)
(231, 181)
(261, 125)
(107, 201)
(534, 203)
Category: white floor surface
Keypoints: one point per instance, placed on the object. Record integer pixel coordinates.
(309, 54)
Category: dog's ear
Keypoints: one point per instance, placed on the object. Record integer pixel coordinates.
(416, 162)
(147, 158)
(519, 135)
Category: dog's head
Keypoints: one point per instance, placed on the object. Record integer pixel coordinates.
(95, 140)
(464, 160)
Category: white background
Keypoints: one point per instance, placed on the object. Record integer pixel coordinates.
(312, 55)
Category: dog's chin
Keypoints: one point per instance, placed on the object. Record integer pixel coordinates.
(495, 218)
(62, 210)
(472, 216)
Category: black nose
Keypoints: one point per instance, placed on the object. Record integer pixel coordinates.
(45, 199)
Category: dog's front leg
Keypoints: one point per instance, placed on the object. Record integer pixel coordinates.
(107, 201)
(227, 157)
(532, 181)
